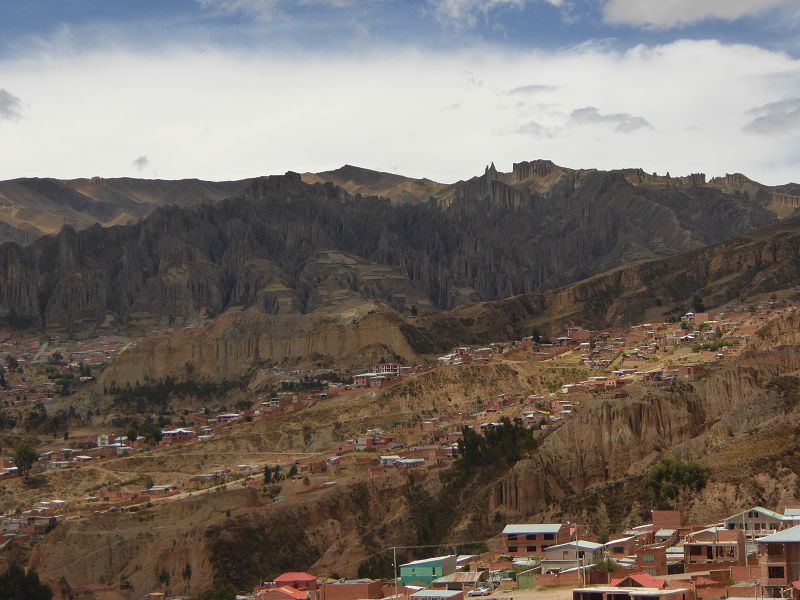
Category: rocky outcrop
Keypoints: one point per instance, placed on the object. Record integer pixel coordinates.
(483, 239)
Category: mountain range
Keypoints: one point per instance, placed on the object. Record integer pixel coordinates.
(425, 264)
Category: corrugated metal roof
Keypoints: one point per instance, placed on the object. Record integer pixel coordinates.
(517, 528)
(582, 544)
(463, 577)
(437, 594)
(665, 532)
(782, 537)
(425, 561)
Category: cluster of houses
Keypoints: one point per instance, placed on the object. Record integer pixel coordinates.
(467, 356)
(752, 554)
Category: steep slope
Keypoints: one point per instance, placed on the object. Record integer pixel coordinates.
(486, 240)
(45, 205)
(763, 262)
(735, 421)
(740, 421)
(9, 233)
(399, 189)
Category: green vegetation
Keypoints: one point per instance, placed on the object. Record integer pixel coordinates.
(715, 345)
(245, 551)
(503, 445)
(16, 584)
(24, 458)
(155, 396)
(672, 480)
(607, 565)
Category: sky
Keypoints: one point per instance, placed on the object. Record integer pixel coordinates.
(227, 89)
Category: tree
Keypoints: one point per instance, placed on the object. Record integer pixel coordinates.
(24, 458)
(671, 480)
(697, 304)
(150, 431)
(606, 565)
(292, 470)
(12, 363)
(16, 584)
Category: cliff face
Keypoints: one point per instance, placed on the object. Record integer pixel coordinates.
(762, 262)
(731, 421)
(483, 239)
(44, 205)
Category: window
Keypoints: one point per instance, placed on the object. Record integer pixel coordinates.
(512, 536)
(512, 548)
(618, 549)
(549, 536)
(531, 548)
(530, 536)
(695, 550)
(649, 558)
(413, 571)
(775, 572)
(545, 547)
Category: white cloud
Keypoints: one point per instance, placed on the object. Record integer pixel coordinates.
(263, 9)
(10, 106)
(664, 14)
(781, 117)
(533, 88)
(221, 114)
(467, 13)
(619, 122)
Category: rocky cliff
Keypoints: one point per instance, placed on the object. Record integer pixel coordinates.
(42, 206)
(731, 420)
(484, 239)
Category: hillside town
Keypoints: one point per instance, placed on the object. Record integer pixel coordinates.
(592, 365)
(751, 554)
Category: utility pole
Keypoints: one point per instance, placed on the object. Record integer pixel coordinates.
(394, 552)
(577, 552)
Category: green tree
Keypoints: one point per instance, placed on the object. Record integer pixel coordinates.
(16, 584)
(150, 431)
(292, 471)
(606, 565)
(672, 480)
(24, 458)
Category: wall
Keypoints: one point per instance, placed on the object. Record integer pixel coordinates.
(351, 591)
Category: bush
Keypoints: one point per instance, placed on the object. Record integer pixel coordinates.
(671, 480)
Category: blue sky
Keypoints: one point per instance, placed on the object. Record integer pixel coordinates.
(436, 88)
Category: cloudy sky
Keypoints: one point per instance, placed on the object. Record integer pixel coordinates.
(223, 89)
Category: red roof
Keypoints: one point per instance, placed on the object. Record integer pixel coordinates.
(796, 585)
(295, 576)
(289, 592)
(644, 580)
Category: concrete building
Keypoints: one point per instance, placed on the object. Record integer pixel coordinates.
(423, 572)
(532, 539)
(779, 560)
(580, 553)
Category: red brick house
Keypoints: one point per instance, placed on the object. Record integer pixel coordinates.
(533, 539)
(298, 581)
